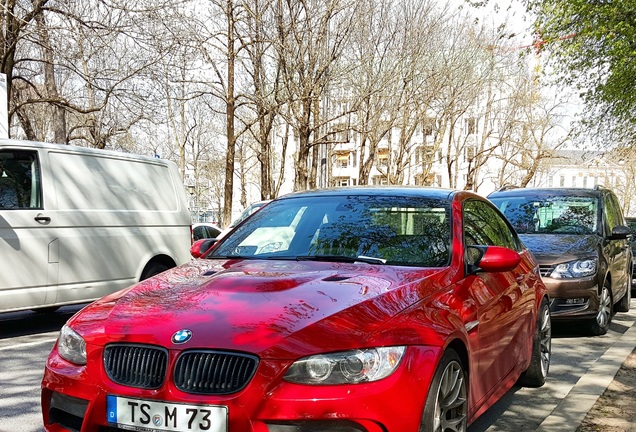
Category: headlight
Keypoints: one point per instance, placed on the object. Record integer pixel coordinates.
(347, 367)
(71, 346)
(575, 269)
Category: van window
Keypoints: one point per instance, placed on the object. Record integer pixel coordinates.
(19, 180)
(122, 184)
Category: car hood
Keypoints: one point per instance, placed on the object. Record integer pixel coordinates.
(277, 309)
(556, 248)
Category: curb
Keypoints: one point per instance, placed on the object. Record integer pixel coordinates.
(570, 412)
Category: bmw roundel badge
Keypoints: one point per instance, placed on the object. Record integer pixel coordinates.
(182, 336)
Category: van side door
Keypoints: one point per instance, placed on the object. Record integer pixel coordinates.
(618, 250)
(29, 247)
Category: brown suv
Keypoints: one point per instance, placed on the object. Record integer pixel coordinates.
(580, 238)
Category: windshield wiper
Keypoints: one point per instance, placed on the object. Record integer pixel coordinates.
(342, 258)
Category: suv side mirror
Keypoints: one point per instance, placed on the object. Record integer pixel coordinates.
(620, 232)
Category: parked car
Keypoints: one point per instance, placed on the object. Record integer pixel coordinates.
(247, 212)
(580, 239)
(320, 312)
(204, 230)
(79, 223)
(631, 223)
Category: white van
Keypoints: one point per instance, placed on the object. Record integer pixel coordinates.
(78, 223)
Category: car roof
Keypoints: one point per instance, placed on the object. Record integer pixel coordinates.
(407, 191)
(541, 192)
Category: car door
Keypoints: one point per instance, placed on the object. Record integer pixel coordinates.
(504, 301)
(29, 246)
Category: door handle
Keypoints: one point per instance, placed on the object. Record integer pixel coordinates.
(42, 219)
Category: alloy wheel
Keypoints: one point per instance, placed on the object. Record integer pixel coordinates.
(545, 337)
(452, 403)
(605, 308)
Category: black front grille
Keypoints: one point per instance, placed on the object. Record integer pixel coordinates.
(546, 270)
(140, 366)
(213, 372)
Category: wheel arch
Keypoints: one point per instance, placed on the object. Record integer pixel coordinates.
(158, 259)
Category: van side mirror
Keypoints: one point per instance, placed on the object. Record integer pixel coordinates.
(620, 232)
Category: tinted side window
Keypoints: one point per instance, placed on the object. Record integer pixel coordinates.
(620, 219)
(613, 212)
(19, 180)
(484, 226)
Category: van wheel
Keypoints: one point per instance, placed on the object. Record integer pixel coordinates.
(153, 269)
(536, 373)
(601, 322)
(446, 406)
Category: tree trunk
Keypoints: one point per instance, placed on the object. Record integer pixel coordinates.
(59, 114)
(230, 106)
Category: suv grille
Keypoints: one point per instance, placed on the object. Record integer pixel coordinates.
(545, 270)
(136, 365)
(213, 372)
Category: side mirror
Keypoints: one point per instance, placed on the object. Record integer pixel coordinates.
(620, 232)
(201, 247)
(493, 259)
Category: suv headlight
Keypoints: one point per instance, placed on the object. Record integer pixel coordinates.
(575, 269)
(346, 367)
(71, 346)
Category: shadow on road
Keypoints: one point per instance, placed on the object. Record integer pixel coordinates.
(14, 324)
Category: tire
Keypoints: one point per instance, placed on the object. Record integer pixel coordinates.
(601, 322)
(623, 305)
(446, 407)
(539, 366)
(153, 269)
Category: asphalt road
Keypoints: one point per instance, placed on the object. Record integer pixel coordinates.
(26, 339)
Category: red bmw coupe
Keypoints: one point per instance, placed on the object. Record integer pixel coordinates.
(345, 310)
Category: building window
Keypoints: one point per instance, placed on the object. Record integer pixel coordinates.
(470, 125)
(550, 181)
(469, 153)
(342, 161)
(584, 181)
(380, 181)
(341, 181)
(383, 161)
(438, 180)
(562, 181)
(573, 181)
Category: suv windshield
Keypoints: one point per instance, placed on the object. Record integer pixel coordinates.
(550, 214)
(375, 229)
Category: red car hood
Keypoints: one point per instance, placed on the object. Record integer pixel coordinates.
(276, 309)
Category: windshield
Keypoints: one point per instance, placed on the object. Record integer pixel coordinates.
(550, 214)
(375, 229)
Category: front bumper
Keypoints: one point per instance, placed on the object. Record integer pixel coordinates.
(74, 398)
(573, 299)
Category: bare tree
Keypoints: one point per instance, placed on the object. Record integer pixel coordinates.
(311, 38)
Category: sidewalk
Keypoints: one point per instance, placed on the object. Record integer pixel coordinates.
(586, 396)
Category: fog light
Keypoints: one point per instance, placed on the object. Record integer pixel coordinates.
(575, 301)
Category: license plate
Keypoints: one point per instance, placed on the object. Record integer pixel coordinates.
(150, 415)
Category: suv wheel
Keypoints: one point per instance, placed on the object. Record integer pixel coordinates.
(600, 323)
